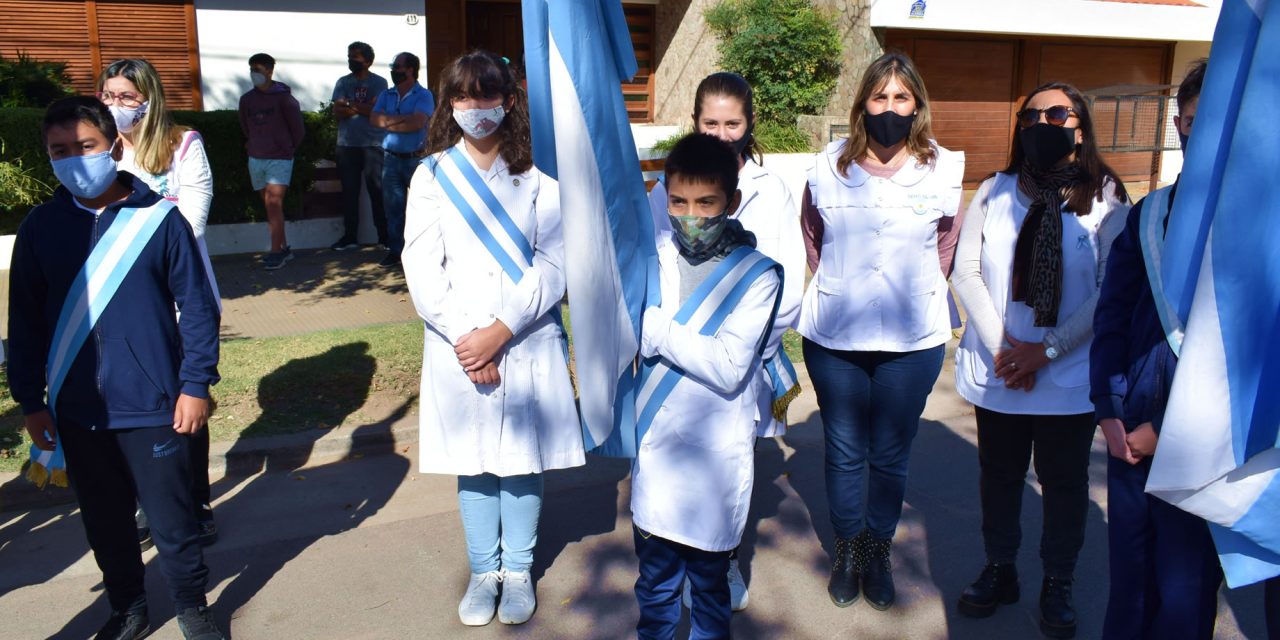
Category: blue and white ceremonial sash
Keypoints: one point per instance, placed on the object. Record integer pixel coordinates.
(483, 212)
(785, 383)
(92, 290)
(707, 308)
(577, 54)
(1151, 229)
(1218, 456)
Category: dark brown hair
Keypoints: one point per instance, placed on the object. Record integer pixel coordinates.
(1189, 89)
(920, 140)
(483, 75)
(1094, 173)
(730, 85)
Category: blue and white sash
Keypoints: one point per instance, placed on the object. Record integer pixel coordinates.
(483, 212)
(92, 290)
(1151, 231)
(708, 307)
(785, 383)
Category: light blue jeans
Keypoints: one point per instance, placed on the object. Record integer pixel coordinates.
(500, 510)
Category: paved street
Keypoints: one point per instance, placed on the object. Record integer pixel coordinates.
(369, 548)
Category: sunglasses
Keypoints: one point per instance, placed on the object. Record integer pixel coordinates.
(1056, 115)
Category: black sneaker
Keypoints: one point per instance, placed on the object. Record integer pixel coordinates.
(392, 260)
(344, 244)
(125, 626)
(196, 623)
(274, 261)
(144, 530)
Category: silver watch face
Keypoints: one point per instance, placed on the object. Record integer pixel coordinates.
(1051, 353)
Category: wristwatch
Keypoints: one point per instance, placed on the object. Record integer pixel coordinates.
(1052, 353)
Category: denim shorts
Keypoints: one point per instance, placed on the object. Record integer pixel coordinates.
(263, 172)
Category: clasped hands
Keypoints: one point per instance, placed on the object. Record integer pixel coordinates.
(1131, 447)
(1018, 364)
(479, 350)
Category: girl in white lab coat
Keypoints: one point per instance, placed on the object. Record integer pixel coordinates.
(722, 107)
(484, 260)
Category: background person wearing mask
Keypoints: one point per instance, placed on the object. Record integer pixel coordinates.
(403, 111)
(272, 124)
(171, 159)
(1032, 251)
(359, 144)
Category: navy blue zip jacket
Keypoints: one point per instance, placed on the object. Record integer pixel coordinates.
(1130, 363)
(137, 359)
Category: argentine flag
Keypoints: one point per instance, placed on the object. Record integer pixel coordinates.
(577, 53)
(1218, 456)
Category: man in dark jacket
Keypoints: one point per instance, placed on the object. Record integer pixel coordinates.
(272, 124)
(1164, 567)
(103, 370)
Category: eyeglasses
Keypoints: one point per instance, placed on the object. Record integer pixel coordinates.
(130, 100)
(1056, 115)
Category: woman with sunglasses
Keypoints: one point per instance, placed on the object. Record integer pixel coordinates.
(171, 159)
(1031, 255)
(877, 219)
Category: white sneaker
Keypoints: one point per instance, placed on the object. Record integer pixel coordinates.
(518, 602)
(478, 604)
(738, 596)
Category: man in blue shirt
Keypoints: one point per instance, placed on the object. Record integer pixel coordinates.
(359, 144)
(403, 111)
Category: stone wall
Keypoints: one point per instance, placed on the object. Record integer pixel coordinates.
(686, 53)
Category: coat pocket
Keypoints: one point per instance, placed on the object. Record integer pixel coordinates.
(126, 387)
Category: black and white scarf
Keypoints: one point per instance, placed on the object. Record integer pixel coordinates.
(1037, 258)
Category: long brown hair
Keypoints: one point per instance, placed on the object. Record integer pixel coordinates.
(483, 75)
(919, 140)
(157, 137)
(1094, 173)
(730, 85)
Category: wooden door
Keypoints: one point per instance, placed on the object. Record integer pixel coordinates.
(496, 27)
(446, 37)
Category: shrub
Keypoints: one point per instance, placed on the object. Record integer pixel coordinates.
(233, 197)
(19, 187)
(788, 50)
(27, 82)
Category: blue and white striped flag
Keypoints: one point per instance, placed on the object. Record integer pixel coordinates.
(1218, 455)
(577, 53)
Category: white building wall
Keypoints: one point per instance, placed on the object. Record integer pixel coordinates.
(1183, 54)
(1074, 18)
(308, 39)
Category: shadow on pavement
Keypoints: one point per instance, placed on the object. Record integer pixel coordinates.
(313, 274)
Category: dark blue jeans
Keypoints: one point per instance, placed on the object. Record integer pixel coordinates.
(1164, 567)
(664, 565)
(870, 403)
(357, 165)
(396, 174)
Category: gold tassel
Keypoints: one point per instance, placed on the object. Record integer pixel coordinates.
(780, 404)
(37, 474)
(59, 478)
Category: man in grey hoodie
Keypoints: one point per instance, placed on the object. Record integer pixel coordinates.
(272, 123)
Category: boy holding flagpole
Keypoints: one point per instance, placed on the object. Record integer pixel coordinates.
(701, 350)
(105, 375)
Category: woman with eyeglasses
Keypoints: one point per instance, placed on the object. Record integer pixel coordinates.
(878, 220)
(1032, 252)
(171, 159)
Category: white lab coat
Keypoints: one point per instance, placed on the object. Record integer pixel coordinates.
(528, 423)
(769, 211)
(692, 476)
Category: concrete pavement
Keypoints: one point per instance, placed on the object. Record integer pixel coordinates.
(369, 548)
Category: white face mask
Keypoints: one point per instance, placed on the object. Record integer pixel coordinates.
(127, 118)
(257, 78)
(479, 123)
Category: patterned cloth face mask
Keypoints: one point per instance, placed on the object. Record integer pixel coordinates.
(479, 123)
(697, 233)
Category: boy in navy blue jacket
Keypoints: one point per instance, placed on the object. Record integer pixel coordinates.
(102, 369)
(1164, 567)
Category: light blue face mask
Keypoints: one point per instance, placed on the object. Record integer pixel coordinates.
(88, 176)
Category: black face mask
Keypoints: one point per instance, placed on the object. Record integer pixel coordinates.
(355, 66)
(1044, 144)
(740, 145)
(1182, 142)
(888, 128)
(398, 76)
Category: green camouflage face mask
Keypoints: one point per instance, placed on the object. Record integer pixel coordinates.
(696, 234)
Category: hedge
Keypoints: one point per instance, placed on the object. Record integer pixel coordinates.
(233, 197)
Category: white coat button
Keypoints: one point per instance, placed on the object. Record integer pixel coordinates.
(875, 304)
(491, 315)
(490, 274)
(876, 268)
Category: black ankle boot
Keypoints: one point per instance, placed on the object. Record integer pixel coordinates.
(877, 576)
(843, 586)
(997, 585)
(1057, 616)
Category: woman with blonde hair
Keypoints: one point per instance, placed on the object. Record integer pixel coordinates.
(170, 159)
(877, 219)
